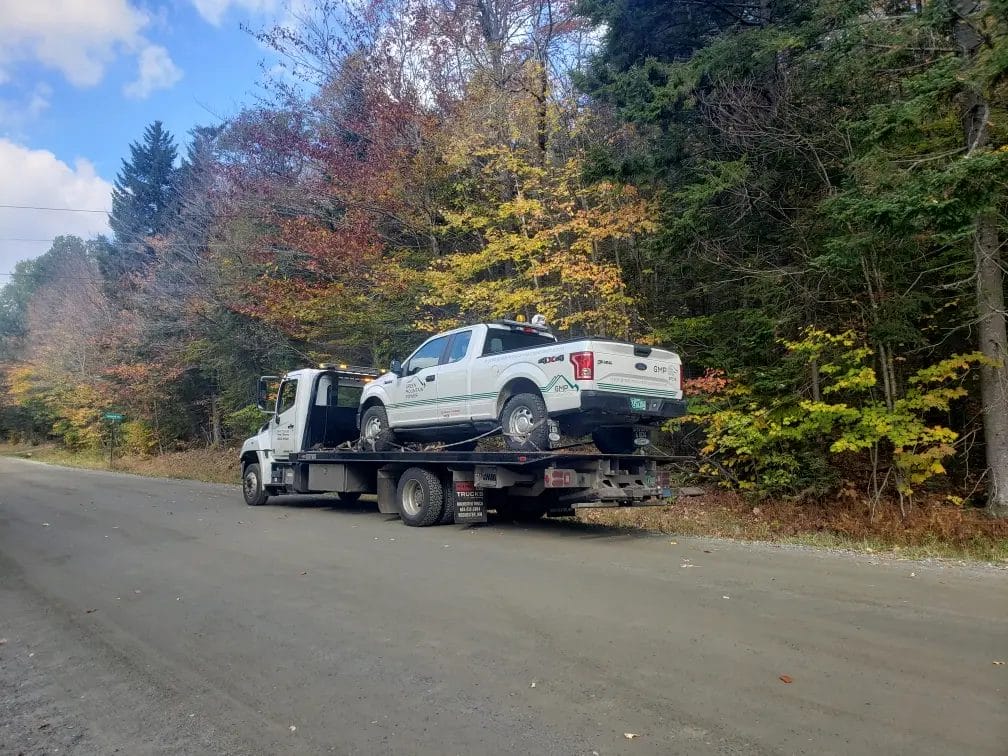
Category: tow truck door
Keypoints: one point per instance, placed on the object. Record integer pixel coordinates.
(285, 427)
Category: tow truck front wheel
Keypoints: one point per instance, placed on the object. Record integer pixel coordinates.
(252, 486)
(420, 497)
(523, 422)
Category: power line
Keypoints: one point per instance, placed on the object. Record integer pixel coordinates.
(60, 209)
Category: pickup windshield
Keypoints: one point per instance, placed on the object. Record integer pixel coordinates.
(500, 340)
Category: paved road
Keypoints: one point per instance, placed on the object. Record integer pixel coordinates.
(150, 616)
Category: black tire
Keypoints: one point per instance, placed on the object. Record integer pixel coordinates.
(420, 498)
(375, 434)
(448, 511)
(519, 509)
(252, 486)
(615, 440)
(521, 411)
(349, 497)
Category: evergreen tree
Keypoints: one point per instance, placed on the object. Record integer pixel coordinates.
(143, 201)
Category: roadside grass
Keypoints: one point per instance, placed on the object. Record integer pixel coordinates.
(208, 465)
(930, 530)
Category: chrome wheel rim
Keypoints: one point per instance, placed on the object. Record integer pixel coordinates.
(521, 422)
(372, 429)
(412, 497)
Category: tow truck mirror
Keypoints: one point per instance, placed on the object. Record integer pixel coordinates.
(395, 367)
(262, 394)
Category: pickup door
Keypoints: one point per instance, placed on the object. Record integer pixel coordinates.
(414, 393)
(454, 402)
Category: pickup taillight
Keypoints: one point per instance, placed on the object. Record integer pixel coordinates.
(584, 365)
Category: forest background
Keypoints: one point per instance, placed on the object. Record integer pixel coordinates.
(804, 198)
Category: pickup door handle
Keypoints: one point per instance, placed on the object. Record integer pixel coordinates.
(429, 379)
(291, 425)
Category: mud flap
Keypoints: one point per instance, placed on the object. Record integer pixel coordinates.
(467, 499)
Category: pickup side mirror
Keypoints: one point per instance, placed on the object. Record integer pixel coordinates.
(395, 367)
(262, 394)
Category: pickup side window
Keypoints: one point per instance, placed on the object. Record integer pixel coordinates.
(459, 346)
(500, 340)
(287, 395)
(427, 356)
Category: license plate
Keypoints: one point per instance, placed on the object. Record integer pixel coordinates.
(638, 404)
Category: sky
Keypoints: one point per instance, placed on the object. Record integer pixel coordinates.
(81, 79)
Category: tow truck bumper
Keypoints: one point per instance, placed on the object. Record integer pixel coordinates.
(639, 408)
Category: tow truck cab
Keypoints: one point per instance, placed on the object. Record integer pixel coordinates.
(313, 408)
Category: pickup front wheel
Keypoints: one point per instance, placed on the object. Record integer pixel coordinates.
(375, 434)
(523, 422)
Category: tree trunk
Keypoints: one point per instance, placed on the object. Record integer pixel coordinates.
(989, 277)
(994, 345)
(216, 436)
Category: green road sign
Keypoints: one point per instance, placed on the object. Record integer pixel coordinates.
(113, 417)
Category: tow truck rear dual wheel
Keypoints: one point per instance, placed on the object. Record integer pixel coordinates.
(420, 497)
(523, 422)
(252, 486)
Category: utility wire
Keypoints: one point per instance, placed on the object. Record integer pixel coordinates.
(60, 209)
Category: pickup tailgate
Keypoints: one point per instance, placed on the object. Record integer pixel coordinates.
(639, 370)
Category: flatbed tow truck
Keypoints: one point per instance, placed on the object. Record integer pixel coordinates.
(310, 446)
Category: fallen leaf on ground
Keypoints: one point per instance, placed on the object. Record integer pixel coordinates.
(45, 524)
(305, 572)
(292, 728)
(43, 725)
(90, 611)
(786, 679)
(996, 664)
(3, 642)
(726, 597)
(706, 551)
(533, 684)
(630, 735)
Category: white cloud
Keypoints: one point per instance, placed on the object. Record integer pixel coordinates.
(43, 180)
(214, 11)
(155, 70)
(39, 100)
(78, 38)
(18, 113)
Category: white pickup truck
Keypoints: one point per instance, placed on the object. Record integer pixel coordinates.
(518, 377)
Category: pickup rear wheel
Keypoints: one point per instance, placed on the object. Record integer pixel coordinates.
(523, 422)
(252, 486)
(614, 440)
(375, 434)
(420, 497)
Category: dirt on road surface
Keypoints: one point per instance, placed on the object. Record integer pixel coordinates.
(154, 616)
